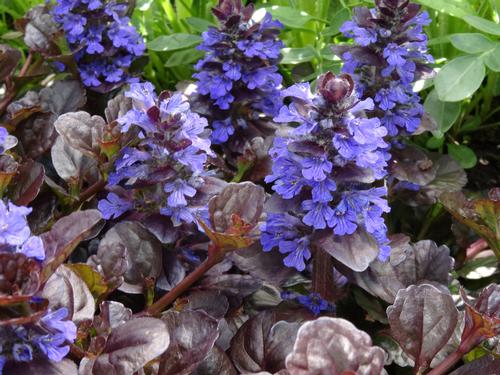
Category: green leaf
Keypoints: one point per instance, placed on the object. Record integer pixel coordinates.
(173, 42)
(184, 57)
(482, 24)
(434, 143)
(91, 277)
(472, 42)
(297, 55)
(492, 59)
(338, 20)
(444, 113)
(199, 24)
(290, 17)
(463, 154)
(460, 78)
(11, 35)
(454, 8)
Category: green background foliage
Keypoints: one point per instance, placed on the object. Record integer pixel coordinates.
(464, 38)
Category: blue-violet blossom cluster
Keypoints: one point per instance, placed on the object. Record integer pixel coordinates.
(166, 166)
(104, 42)
(15, 234)
(324, 170)
(46, 338)
(239, 72)
(389, 55)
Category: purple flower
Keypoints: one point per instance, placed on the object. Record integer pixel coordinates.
(15, 234)
(114, 206)
(298, 251)
(237, 80)
(166, 163)
(100, 34)
(398, 56)
(325, 168)
(22, 352)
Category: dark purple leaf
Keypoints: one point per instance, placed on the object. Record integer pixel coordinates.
(263, 343)
(82, 131)
(356, 250)
(173, 271)
(486, 365)
(216, 363)
(129, 348)
(117, 107)
(27, 183)
(161, 228)
(211, 302)
(66, 289)
(333, 346)
(9, 58)
(192, 336)
(142, 250)
(37, 134)
(41, 366)
(40, 31)
(72, 165)
(422, 320)
(63, 97)
(112, 314)
(420, 263)
(233, 284)
(19, 275)
(482, 318)
(243, 199)
(267, 266)
(66, 234)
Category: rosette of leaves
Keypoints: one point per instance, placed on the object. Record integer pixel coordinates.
(389, 54)
(325, 174)
(33, 329)
(163, 170)
(238, 83)
(102, 39)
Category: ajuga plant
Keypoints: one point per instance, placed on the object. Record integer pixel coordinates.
(102, 39)
(165, 167)
(21, 254)
(48, 338)
(238, 77)
(325, 169)
(388, 56)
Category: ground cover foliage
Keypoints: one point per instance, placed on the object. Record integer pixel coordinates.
(263, 187)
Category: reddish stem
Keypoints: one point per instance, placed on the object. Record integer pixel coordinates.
(11, 92)
(26, 65)
(157, 307)
(91, 190)
(475, 248)
(322, 275)
(450, 361)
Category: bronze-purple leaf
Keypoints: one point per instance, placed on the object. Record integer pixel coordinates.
(63, 97)
(65, 235)
(129, 348)
(192, 336)
(356, 250)
(27, 183)
(19, 275)
(215, 363)
(262, 343)
(128, 244)
(9, 58)
(82, 131)
(422, 320)
(41, 366)
(482, 317)
(71, 164)
(486, 365)
(65, 288)
(420, 263)
(334, 346)
(243, 199)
